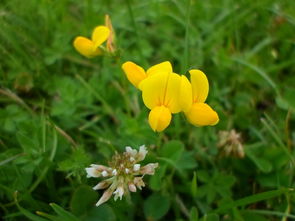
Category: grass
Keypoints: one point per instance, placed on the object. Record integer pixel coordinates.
(60, 112)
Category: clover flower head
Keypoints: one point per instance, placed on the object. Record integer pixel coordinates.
(230, 144)
(165, 93)
(123, 174)
(92, 47)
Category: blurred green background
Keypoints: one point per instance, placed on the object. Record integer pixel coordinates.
(59, 111)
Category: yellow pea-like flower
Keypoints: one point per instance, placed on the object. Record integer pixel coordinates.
(166, 93)
(91, 47)
(163, 91)
(200, 113)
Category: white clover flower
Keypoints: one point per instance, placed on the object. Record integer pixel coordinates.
(142, 152)
(131, 151)
(136, 167)
(123, 174)
(119, 193)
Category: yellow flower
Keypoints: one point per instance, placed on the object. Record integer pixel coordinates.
(91, 47)
(166, 93)
(163, 91)
(200, 113)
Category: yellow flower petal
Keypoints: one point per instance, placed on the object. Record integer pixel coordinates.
(85, 47)
(159, 118)
(202, 114)
(200, 86)
(168, 89)
(154, 89)
(134, 73)
(185, 94)
(178, 93)
(163, 67)
(99, 35)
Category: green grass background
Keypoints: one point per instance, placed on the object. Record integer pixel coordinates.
(59, 111)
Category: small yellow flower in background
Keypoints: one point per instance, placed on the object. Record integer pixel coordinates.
(166, 93)
(123, 174)
(92, 47)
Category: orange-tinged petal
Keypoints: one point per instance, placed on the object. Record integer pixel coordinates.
(154, 89)
(85, 47)
(200, 86)
(111, 47)
(202, 114)
(99, 35)
(163, 67)
(134, 73)
(159, 118)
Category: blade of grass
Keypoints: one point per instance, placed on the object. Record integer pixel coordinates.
(260, 72)
(106, 106)
(63, 213)
(186, 39)
(135, 30)
(272, 213)
(252, 199)
(27, 213)
(11, 159)
(277, 139)
(16, 98)
(44, 171)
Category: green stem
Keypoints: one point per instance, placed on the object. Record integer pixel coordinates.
(135, 31)
(186, 40)
(108, 109)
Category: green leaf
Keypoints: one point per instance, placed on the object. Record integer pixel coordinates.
(194, 215)
(67, 216)
(194, 185)
(83, 198)
(172, 150)
(101, 213)
(203, 175)
(263, 164)
(156, 180)
(27, 213)
(28, 144)
(289, 96)
(156, 206)
(76, 162)
(187, 161)
(252, 199)
(249, 215)
(210, 217)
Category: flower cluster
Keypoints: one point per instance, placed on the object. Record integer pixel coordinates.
(166, 93)
(123, 174)
(230, 143)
